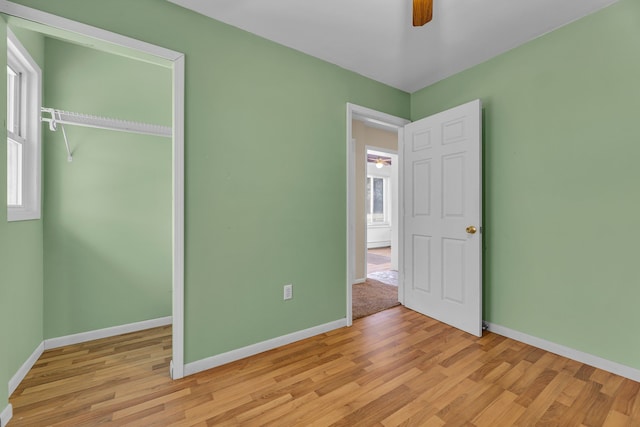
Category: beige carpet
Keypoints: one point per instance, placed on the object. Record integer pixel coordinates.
(373, 296)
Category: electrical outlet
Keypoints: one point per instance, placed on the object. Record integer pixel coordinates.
(288, 291)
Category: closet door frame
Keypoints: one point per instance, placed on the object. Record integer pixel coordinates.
(175, 61)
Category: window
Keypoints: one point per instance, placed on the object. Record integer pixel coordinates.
(377, 189)
(15, 142)
(23, 132)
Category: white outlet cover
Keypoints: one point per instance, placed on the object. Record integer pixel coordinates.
(288, 292)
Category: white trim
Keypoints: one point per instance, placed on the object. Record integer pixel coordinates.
(577, 355)
(17, 378)
(177, 58)
(379, 244)
(177, 366)
(364, 113)
(241, 353)
(351, 223)
(6, 415)
(354, 110)
(356, 281)
(400, 218)
(105, 332)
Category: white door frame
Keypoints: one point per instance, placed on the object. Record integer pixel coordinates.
(176, 59)
(354, 110)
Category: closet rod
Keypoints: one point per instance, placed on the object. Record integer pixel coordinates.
(86, 120)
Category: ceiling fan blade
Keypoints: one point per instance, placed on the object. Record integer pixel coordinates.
(422, 12)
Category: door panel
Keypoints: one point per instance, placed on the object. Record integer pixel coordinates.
(422, 263)
(453, 185)
(441, 167)
(422, 198)
(453, 283)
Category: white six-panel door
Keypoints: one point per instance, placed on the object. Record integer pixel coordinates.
(442, 240)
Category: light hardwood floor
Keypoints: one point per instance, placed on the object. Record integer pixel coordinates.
(386, 252)
(395, 368)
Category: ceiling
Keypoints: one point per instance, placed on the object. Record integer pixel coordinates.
(375, 38)
(378, 157)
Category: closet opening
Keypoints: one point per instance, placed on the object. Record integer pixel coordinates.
(113, 181)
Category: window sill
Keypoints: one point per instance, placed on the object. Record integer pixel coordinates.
(17, 214)
(379, 225)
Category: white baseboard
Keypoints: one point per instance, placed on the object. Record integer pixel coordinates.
(241, 353)
(106, 332)
(380, 244)
(6, 415)
(17, 378)
(582, 357)
(355, 282)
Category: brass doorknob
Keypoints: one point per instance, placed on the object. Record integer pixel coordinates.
(471, 229)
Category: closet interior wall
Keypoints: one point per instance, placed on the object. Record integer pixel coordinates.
(107, 214)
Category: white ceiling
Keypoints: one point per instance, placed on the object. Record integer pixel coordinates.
(375, 38)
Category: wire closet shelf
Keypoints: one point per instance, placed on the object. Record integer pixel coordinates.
(60, 117)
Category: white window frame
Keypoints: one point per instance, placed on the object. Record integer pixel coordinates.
(18, 58)
(385, 200)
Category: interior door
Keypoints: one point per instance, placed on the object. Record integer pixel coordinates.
(442, 216)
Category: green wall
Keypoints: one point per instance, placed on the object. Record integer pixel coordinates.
(107, 214)
(261, 209)
(561, 150)
(21, 257)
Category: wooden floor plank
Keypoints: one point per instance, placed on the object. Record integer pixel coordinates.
(616, 419)
(488, 416)
(395, 368)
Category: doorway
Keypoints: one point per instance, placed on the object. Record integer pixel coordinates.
(359, 120)
(440, 181)
(381, 210)
(376, 286)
